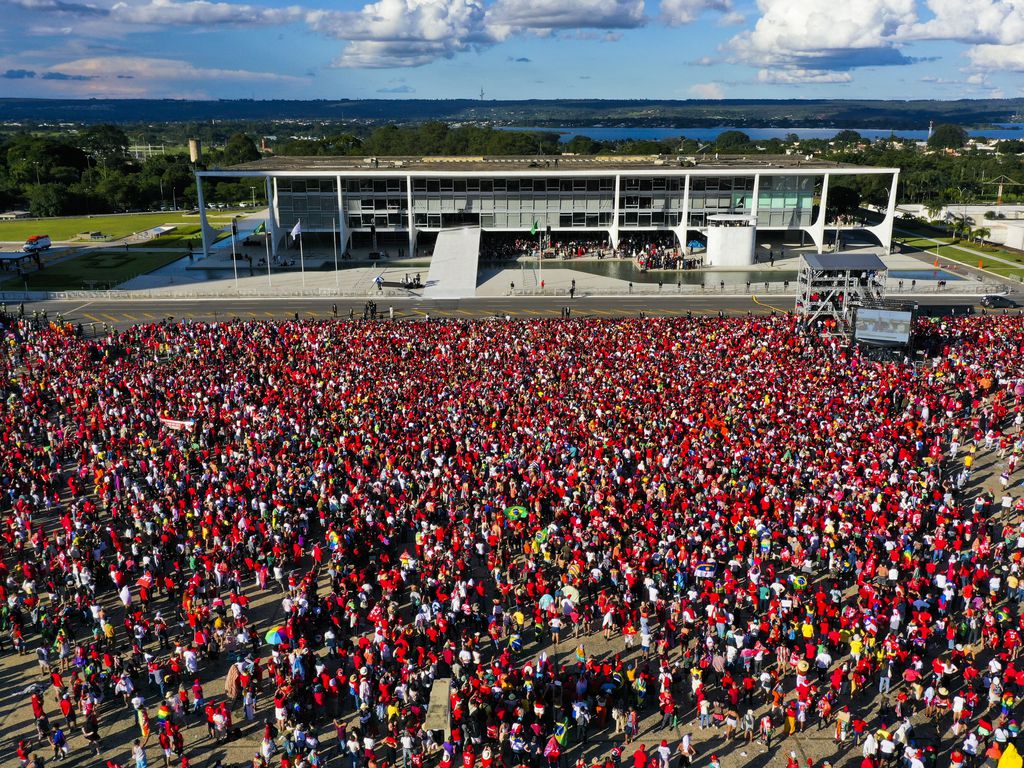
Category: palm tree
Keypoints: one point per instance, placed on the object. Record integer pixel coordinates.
(982, 233)
(933, 209)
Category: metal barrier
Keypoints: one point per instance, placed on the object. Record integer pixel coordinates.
(637, 289)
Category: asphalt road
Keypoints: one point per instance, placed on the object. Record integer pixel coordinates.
(121, 313)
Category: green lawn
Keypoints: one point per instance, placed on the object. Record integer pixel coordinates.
(95, 269)
(179, 237)
(68, 229)
(112, 226)
(955, 254)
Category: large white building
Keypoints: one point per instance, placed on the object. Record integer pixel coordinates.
(614, 195)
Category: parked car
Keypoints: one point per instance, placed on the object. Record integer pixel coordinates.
(998, 300)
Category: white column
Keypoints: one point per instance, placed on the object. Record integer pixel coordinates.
(883, 230)
(684, 225)
(275, 215)
(272, 230)
(412, 224)
(817, 230)
(342, 218)
(613, 232)
(203, 226)
(757, 190)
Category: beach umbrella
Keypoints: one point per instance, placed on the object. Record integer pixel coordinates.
(705, 571)
(546, 602)
(276, 636)
(695, 244)
(572, 593)
(516, 513)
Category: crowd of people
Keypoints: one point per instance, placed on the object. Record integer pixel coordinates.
(642, 542)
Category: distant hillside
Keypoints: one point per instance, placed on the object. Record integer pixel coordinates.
(753, 113)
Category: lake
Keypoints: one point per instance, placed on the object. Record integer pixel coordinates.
(601, 133)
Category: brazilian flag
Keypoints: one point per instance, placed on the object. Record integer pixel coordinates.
(562, 731)
(533, 229)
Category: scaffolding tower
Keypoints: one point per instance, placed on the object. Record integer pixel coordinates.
(831, 286)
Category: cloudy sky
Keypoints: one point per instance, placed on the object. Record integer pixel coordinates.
(513, 49)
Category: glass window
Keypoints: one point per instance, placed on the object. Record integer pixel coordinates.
(419, 185)
(447, 185)
(486, 185)
(433, 185)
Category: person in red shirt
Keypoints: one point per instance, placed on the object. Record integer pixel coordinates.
(640, 757)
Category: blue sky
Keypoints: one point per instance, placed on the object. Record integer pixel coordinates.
(513, 49)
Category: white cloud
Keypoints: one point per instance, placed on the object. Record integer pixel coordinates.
(707, 91)
(199, 12)
(505, 16)
(808, 26)
(795, 76)
(811, 37)
(153, 69)
(980, 21)
(403, 33)
(675, 12)
(997, 57)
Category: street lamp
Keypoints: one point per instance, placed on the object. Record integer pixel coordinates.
(253, 190)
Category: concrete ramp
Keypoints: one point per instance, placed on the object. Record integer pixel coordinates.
(454, 265)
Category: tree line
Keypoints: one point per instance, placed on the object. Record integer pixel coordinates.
(90, 171)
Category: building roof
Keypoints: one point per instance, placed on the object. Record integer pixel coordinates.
(538, 164)
(845, 262)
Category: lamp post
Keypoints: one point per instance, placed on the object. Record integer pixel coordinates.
(253, 190)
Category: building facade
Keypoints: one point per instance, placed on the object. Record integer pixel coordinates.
(613, 195)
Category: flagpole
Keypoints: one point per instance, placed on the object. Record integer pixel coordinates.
(334, 237)
(266, 242)
(234, 259)
(302, 261)
(540, 259)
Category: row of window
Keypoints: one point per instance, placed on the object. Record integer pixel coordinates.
(785, 203)
(523, 221)
(326, 185)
